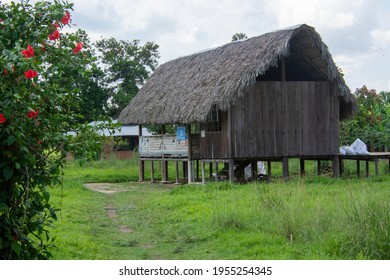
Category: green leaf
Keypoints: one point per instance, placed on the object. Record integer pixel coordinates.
(46, 195)
(16, 247)
(3, 206)
(7, 172)
(10, 140)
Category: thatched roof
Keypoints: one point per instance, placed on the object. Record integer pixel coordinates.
(184, 90)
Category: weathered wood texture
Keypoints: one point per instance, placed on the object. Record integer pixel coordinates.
(215, 144)
(167, 146)
(282, 119)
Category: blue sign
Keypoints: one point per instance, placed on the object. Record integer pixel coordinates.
(181, 132)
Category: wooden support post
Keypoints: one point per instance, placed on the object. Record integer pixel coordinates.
(141, 174)
(203, 173)
(210, 170)
(141, 164)
(185, 168)
(164, 171)
(302, 166)
(376, 167)
(216, 171)
(253, 170)
(190, 163)
(231, 170)
(197, 170)
(285, 168)
(269, 170)
(152, 171)
(336, 166)
(367, 168)
(318, 167)
(341, 166)
(358, 168)
(177, 172)
(190, 169)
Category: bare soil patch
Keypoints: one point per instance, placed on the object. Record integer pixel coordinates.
(107, 188)
(111, 212)
(125, 229)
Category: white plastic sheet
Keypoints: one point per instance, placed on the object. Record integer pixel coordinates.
(358, 147)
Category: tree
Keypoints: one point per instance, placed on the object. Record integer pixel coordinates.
(93, 90)
(40, 65)
(239, 36)
(372, 120)
(127, 66)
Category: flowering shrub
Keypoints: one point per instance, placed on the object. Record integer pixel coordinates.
(39, 69)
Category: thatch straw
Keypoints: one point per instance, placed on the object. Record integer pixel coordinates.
(184, 90)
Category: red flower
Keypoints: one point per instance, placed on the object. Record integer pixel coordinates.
(5, 72)
(55, 35)
(30, 74)
(29, 52)
(78, 47)
(2, 118)
(66, 18)
(32, 114)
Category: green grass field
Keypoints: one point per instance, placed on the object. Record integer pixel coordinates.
(310, 218)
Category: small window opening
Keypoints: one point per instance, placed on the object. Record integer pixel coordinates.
(214, 120)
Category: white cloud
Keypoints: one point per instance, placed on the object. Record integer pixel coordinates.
(380, 40)
(357, 32)
(330, 14)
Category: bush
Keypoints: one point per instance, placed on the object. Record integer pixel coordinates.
(40, 65)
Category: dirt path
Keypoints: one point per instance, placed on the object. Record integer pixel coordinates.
(109, 188)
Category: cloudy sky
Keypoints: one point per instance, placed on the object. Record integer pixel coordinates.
(357, 32)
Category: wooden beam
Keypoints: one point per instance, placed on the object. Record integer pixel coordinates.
(216, 171)
(358, 168)
(203, 173)
(190, 163)
(253, 170)
(302, 166)
(185, 169)
(231, 170)
(197, 169)
(336, 166)
(376, 167)
(318, 167)
(269, 170)
(141, 163)
(285, 168)
(152, 171)
(164, 164)
(367, 168)
(341, 166)
(177, 172)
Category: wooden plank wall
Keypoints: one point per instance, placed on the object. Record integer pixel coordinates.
(301, 119)
(215, 144)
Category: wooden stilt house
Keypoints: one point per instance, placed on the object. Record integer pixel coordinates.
(269, 98)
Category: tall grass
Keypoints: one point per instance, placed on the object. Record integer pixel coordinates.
(310, 218)
(367, 221)
(109, 171)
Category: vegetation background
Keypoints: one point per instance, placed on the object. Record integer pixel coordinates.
(53, 82)
(309, 218)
